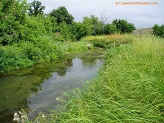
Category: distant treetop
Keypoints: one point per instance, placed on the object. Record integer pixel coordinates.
(61, 14)
(36, 8)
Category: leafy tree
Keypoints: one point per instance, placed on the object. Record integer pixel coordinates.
(61, 14)
(50, 24)
(36, 8)
(110, 29)
(75, 29)
(65, 31)
(97, 25)
(123, 26)
(158, 30)
(12, 20)
(87, 27)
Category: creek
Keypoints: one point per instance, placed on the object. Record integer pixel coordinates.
(37, 88)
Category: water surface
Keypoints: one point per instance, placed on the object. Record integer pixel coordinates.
(37, 88)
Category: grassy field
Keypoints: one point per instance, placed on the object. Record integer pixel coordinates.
(128, 89)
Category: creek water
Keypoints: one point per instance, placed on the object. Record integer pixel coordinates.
(37, 88)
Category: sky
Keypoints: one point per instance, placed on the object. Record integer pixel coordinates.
(142, 16)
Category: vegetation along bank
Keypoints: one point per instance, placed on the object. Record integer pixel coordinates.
(28, 36)
(129, 87)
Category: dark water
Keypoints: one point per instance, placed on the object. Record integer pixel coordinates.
(36, 89)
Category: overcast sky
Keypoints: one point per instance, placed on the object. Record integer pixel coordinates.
(142, 16)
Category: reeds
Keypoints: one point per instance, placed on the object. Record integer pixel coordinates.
(129, 88)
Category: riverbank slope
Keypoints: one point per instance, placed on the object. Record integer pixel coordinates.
(130, 88)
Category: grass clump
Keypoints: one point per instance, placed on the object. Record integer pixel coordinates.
(109, 41)
(80, 46)
(129, 88)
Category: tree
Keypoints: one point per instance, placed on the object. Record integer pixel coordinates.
(36, 8)
(158, 30)
(97, 25)
(75, 29)
(104, 21)
(61, 14)
(12, 20)
(123, 26)
(110, 29)
(87, 27)
(65, 31)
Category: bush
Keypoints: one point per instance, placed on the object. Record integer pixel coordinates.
(13, 58)
(123, 26)
(12, 18)
(25, 53)
(110, 29)
(158, 30)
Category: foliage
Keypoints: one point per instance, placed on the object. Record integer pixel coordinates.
(12, 58)
(110, 29)
(65, 31)
(36, 8)
(76, 30)
(93, 26)
(130, 91)
(129, 88)
(80, 46)
(123, 26)
(89, 26)
(109, 41)
(36, 26)
(97, 25)
(25, 54)
(61, 14)
(158, 30)
(86, 27)
(12, 19)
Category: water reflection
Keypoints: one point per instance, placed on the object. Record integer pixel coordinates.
(37, 88)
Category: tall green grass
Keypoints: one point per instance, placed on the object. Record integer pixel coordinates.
(80, 46)
(129, 88)
(108, 41)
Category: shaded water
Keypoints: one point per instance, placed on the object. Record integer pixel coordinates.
(36, 89)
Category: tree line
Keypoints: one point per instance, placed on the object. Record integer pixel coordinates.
(29, 36)
(21, 21)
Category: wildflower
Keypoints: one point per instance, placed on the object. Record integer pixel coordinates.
(16, 117)
(43, 116)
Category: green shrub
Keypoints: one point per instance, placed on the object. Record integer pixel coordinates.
(158, 30)
(13, 58)
(110, 29)
(12, 18)
(25, 53)
(123, 26)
